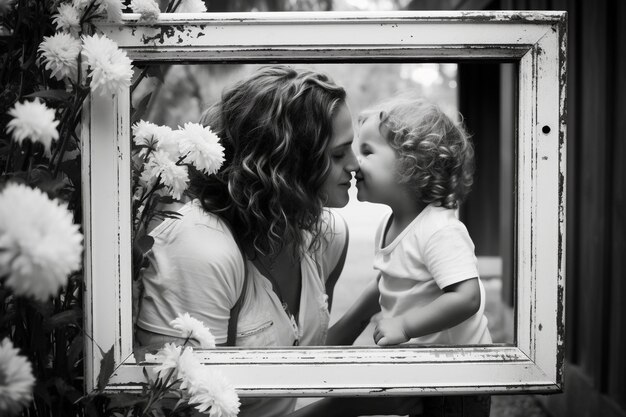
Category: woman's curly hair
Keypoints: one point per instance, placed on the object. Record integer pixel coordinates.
(435, 154)
(275, 127)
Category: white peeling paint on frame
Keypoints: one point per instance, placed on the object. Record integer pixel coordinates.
(536, 40)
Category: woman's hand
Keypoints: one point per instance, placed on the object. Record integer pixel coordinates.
(390, 332)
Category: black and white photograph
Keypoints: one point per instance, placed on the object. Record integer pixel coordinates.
(311, 208)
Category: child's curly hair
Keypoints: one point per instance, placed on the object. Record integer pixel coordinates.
(435, 154)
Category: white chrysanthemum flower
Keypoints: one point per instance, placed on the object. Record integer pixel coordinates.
(16, 379)
(201, 148)
(168, 355)
(60, 55)
(174, 177)
(149, 135)
(67, 19)
(191, 6)
(111, 69)
(195, 329)
(189, 367)
(39, 243)
(82, 4)
(33, 120)
(148, 9)
(6, 6)
(113, 10)
(169, 144)
(213, 394)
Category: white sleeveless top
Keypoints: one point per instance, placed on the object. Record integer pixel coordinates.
(196, 267)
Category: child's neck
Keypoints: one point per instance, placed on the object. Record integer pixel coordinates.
(403, 213)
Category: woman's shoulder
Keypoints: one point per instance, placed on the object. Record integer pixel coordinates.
(196, 233)
(192, 218)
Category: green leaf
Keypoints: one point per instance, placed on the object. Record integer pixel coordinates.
(145, 374)
(155, 71)
(107, 366)
(72, 169)
(66, 390)
(40, 392)
(62, 319)
(169, 213)
(74, 351)
(58, 95)
(145, 243)
(166, 199)
(141, 109)
(122, 400)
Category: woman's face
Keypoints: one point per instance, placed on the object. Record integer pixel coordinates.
(342, 160)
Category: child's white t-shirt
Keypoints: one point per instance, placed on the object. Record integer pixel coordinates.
(432, 252)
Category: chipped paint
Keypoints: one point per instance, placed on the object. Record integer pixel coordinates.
(313, 371)
(163, 32)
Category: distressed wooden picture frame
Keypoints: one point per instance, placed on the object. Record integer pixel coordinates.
(536, 41)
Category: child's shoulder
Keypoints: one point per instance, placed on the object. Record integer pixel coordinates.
(433, 219)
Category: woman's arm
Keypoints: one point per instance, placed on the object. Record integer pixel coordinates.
(458, 303)
(356, 319)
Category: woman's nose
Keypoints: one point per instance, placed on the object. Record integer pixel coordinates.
(353, 163)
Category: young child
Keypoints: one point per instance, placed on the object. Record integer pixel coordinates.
(417, 161)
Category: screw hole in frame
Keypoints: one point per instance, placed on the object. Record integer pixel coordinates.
(545, 129)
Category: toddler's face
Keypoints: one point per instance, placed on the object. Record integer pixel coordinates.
(376, 178)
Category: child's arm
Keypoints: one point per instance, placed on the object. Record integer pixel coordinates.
(356, 319)
(458, 303)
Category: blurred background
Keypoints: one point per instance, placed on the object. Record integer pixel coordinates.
(186, 90)
(595, 367)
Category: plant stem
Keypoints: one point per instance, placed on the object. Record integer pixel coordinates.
(62, 123)
(85, 15)
(140, 77)
(175, 5)
(9, 155)
(69, 128)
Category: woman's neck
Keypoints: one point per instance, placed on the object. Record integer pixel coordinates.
(284, 272)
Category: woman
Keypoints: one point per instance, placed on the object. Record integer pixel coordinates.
(287, 136)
